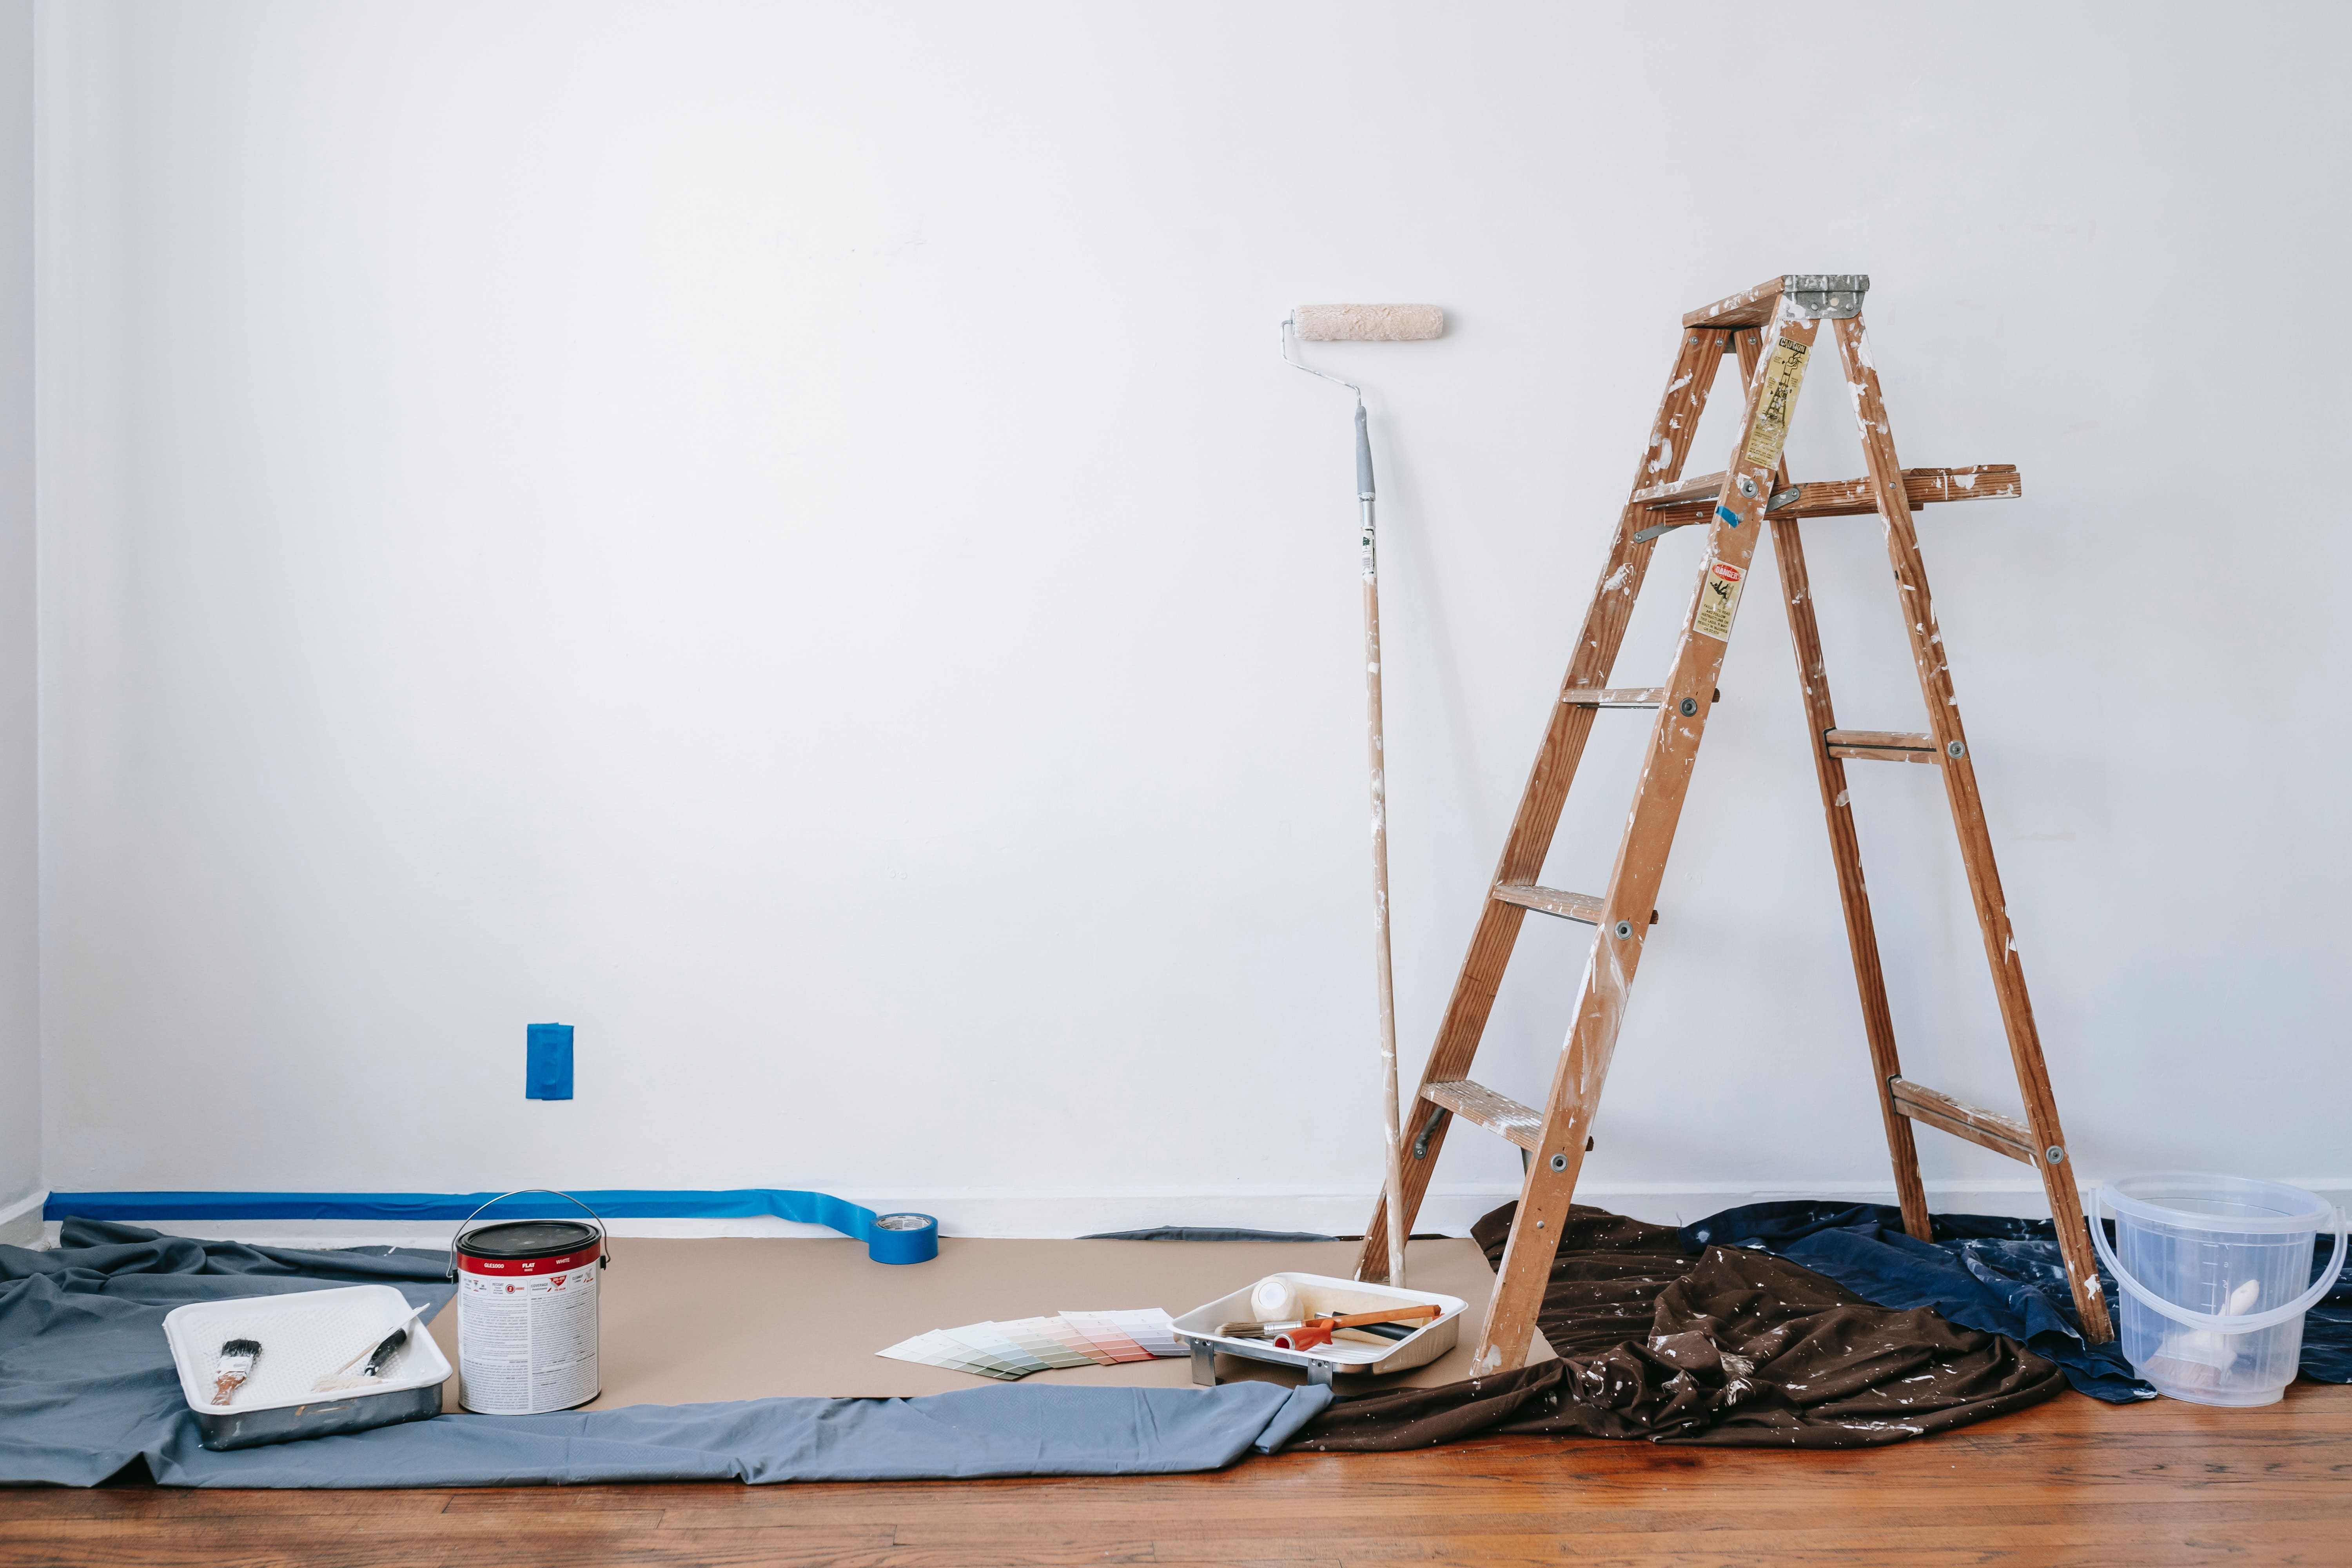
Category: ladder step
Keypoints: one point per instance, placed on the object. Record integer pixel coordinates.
(1921, 486)
(1615, 696)
(1682, 492)
(1584, 907)
(1693, 501)
(1987, 1128)
(1880, 745)
(1496, 1112)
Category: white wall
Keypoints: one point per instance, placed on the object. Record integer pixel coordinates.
(778, 536)
(20, 1016)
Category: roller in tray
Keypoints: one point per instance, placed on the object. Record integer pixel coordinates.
(305, 1337)
(1318, 1295)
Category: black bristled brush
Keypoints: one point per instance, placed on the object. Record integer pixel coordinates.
(379, 1356)
(237, 1359)
(383, 1352)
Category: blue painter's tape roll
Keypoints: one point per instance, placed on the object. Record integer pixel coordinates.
(902, 1239)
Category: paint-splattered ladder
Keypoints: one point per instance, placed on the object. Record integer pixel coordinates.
(1735, 505)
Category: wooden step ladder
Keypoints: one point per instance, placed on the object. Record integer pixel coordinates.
(1772, 327)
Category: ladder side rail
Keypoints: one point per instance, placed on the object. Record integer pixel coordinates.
(1886, 474)
(1845, 848)
(1695, 365)
(1549, 1186)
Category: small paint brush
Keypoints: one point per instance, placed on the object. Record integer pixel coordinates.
(237, 1359)
(379, 1356)
(383, 1352)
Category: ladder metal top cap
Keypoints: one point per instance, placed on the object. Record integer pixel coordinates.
(1816, 296)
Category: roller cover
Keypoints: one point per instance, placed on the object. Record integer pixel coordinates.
(1368, 323)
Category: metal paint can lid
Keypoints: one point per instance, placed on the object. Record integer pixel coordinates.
(522, 1238)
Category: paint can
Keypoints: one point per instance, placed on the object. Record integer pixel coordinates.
(527, 1310)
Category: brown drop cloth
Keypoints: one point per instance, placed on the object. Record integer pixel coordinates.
(1733, 1347)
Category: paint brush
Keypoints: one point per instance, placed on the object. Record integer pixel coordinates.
(378, 1356)
(237, 1359)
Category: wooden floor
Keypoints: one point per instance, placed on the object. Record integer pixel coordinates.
(2072, 1482)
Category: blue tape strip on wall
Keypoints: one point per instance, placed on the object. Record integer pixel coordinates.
(888, 1238)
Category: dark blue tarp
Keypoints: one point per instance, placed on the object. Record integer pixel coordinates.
(87, 1389)
(1990, 1272)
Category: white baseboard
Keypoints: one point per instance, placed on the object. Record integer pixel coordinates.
(1448, 1210)
(20, 1222)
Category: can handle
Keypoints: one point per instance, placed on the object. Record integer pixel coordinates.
(2252, 1322)
(604, 1239)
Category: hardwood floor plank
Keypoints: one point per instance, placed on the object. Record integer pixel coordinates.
(129, 1502)
(2072, 1482)
(1934, 1543)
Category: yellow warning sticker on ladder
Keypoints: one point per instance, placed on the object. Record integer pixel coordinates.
(1718, 601)
(1782, 372)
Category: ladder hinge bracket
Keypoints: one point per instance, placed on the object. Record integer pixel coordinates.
(1824, 296)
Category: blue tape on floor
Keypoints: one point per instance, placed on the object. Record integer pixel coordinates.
(892, 1243)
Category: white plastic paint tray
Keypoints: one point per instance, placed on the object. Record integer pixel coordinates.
(305, 1335)
(1319, 1294)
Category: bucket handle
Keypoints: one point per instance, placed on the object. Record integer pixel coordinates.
(2252, 1322)
(603, 1240)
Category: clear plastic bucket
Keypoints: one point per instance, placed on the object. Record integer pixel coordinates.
(2214, 1271)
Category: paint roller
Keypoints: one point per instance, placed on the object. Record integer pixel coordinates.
(1379, 324)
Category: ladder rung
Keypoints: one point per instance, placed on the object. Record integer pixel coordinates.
(1496, 1112)
(1657, 498)
(1880, 745)
(1615, 696)
(1988, 1128)
(1584, 907)
(1921, 486)
(1693, 501)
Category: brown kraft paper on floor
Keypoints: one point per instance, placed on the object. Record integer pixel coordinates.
(686, 1322)
(1732, 1347)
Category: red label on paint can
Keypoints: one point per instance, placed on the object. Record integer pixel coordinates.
(586, 1257)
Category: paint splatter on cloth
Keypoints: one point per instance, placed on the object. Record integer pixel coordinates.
(1732, 1346)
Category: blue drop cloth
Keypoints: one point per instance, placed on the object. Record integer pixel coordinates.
(1990, 1272)
(87, 1390)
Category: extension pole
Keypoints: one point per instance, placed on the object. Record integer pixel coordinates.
(1373, 323)
(1391, 1127)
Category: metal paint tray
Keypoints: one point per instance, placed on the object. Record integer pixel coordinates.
(304, 1334)
(1322, 1293)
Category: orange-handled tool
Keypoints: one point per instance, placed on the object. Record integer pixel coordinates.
(1391, 1315)
(1314, 1331)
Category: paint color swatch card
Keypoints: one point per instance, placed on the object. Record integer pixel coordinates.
(1149, 1331)
(1014, 1349)
(1036, 1336)
(986, 1344)
(935, 1349)
(1099, 1333)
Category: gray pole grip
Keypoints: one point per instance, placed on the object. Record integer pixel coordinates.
(1363, 457)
